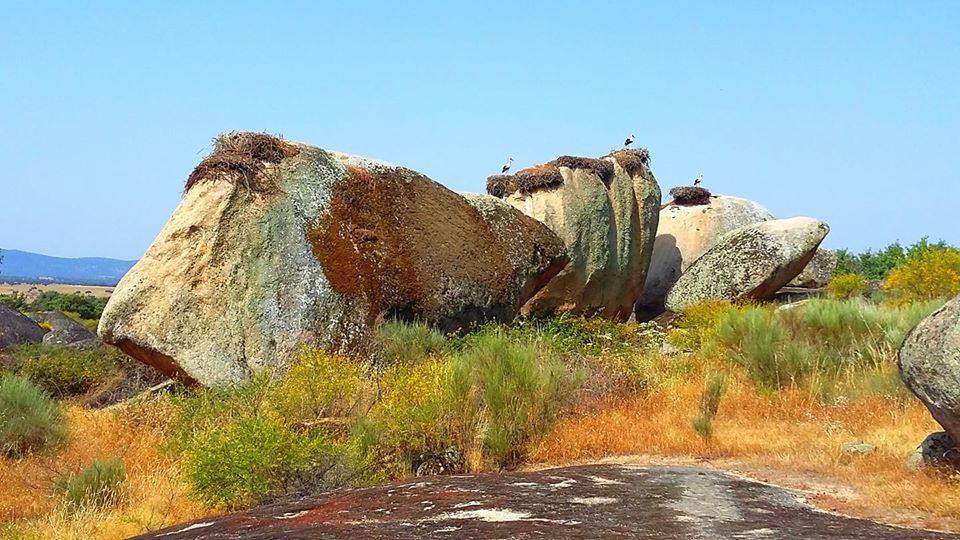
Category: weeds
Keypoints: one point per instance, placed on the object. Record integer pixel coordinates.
(29, 419)
(98, 486)
(715, 386)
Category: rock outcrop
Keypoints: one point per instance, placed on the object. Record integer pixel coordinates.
(17, 329)
(605, 211)
(64, 331)
(278, 244)
(752, 262)
(929, 362)
(684, 233)
(819, 272)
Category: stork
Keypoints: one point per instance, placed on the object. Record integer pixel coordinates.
(629, 141)
(698, 179)
(506, 166)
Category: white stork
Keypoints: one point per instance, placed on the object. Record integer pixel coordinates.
(629, 141)
(698, 179)
(506, 166)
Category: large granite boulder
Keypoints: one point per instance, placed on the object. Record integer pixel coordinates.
(277, 244)
(752, 262)
(17, 329)
(64, 331)
(929, 362)
(684, 233)
(605, 211)
(819, 272)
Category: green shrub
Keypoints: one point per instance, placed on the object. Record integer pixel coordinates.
(64, 371)
(266, 438)
(713, 390)
(407, 343)
(98, 486)
(504, 395)
(832, 347)
(84, 305)
(245, 462)
(29, 419)
(845, 286)
(15, 301)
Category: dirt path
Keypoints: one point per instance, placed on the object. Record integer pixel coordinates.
(586, 501)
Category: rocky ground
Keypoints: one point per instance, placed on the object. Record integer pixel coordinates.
(592, 501)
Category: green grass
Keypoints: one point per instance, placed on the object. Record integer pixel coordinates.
(408, 343)
(29, 419)
(98, 486)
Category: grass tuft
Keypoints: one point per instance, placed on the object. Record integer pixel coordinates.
(29, 419)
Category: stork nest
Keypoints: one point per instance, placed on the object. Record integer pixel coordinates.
(546, 175)
(634, 161)
(690, 195)
(242, 156)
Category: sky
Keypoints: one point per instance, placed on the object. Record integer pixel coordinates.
(844, 111)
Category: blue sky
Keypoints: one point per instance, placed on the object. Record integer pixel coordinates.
(846, 111)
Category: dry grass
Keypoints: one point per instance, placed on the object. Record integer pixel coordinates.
(154, 494)
(784, 437)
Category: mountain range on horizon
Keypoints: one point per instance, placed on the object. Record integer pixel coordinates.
(19, 266)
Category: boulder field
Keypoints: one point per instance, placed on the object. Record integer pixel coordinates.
(752, 262)
(929, 362)
(684, 233)
(277, 244)
(605, 210)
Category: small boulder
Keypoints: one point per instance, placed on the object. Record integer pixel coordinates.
(929, 362)
(64, 331)
(819, 272)
(752, 262)
(938, 452)
(605, 211)
(684, 233)
(17, 329)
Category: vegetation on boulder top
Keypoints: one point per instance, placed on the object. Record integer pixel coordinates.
(242, 154)
(690, 195)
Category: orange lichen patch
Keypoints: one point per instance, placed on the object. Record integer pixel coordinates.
(690, 195)
(242, 156)
(403, 244)
(546, 175)
(635, 162)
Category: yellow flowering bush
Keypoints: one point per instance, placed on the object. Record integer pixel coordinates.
(932, 273)
(845, 286)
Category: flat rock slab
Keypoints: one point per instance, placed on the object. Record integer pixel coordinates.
(595, 501)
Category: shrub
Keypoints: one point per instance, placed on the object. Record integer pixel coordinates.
(15, 301)
(408, 342)
(504, 395)
(266, 438)
(320, 385)
(931, 273)
(716, 385)
(407, 426)
(696, 321)
(245, 462)
(64, 371)
(845, 286)
(83, 305)
(98, 486)
(29, 419)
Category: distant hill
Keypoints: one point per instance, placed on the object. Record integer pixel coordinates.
(25, 267)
